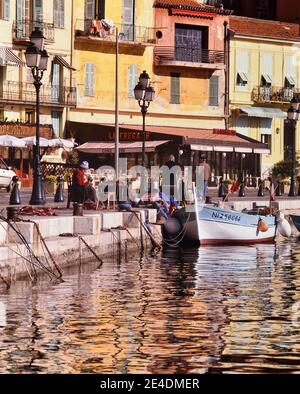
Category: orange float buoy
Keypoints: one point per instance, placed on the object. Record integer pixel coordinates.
(262, 226)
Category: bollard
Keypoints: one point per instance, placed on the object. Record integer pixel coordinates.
(43, 189)
(77, 209)
(278, 192)
(260, 188)
(12, 214)
(242, 192)
(59, 195)
(222, 190)
(15, 198)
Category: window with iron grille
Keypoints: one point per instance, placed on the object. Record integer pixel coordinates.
(214, 91)
(175, 88)
(59, 13)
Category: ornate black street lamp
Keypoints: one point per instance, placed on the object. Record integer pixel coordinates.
(37, 59)
(144, 94)
(293, 117)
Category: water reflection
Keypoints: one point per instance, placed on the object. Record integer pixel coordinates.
(185, 311)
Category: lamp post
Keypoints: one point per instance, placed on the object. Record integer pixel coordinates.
(144, 94)
(293, 117)
(37, 59)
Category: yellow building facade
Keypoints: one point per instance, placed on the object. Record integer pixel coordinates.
(95, 58)
(264, 76)
(96, 52)
(18, 18)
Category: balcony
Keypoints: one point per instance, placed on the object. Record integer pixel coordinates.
(24, 93)
(22, 30)
(183, 56)
(100, 31)
(273, 94)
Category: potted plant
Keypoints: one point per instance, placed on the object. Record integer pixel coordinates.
(50, 184)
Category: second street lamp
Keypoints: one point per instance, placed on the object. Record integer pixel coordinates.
(37, 59)
(292, 118)
(144, 94)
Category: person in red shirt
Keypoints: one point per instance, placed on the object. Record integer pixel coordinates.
(79, 182)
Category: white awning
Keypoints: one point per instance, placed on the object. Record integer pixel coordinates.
(223, 148)
(262, 112)
(244, 77)
(60, 60)
(290, 80)
(267, 78)
(262, 151)
(243, 150)
(202, 148)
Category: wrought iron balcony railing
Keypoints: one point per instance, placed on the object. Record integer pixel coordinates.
(127, 32)
(22, 29)
(263, 94)
(24, 93)
(164, 54)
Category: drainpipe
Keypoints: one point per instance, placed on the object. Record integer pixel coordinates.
(71, 57)
(227, 61)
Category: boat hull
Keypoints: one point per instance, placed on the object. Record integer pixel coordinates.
(216, 226)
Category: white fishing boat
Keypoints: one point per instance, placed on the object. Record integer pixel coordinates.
(210, 225)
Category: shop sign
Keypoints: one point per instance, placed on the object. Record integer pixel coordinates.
(129, 136)
(224, 132)
(24, 130)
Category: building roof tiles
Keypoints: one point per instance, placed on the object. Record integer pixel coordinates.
(264, 28)
(192, 5)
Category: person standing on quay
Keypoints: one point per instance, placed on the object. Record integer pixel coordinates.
(206, 174)
(79, 182)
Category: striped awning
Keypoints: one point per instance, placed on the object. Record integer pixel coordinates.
(7, 57)
(264, 112)
(60, 60)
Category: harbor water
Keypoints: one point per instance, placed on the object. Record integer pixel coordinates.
(210, 310)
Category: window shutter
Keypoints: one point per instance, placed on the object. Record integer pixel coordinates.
(214, 91)
(86, 79)
(59, 13)
(132, 79)
(267, 64)
(175, 88)
(128, 12)
(89, 79)
(38, 11)
(89, 9)
(290, 67)
(242, 62)
(6, 9)
(19, 11)
(128, 19)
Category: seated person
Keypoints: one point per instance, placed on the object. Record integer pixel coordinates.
(90, 191)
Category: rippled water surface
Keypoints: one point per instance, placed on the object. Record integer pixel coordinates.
(230, 309)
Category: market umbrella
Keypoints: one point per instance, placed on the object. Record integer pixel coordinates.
(30, 141)
(11, 141)
(61, 143)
